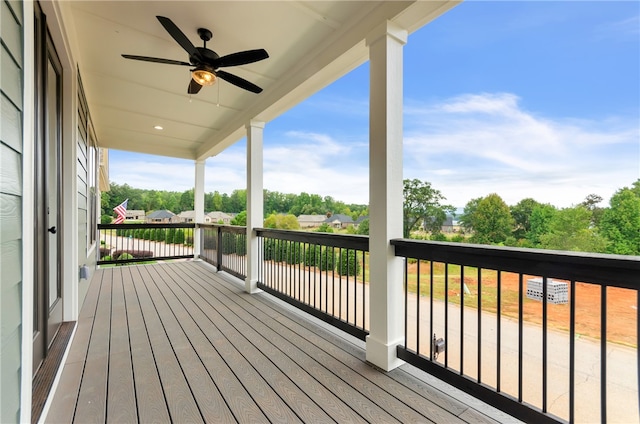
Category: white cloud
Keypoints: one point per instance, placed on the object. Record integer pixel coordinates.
(489, 143)
(467, 146)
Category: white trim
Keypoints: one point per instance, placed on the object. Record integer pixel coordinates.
(55, 12)
(28, 143)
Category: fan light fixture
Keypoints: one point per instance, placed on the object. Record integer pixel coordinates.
(204, 75)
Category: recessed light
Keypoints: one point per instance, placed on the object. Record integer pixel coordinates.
(158, 127)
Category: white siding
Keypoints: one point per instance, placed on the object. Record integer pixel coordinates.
(11, 76)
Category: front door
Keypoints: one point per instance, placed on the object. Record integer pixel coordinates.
(48, 285)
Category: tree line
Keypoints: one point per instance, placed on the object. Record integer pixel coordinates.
(236, 202)
(585, 227)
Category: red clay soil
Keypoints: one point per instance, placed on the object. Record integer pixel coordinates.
(622, 313)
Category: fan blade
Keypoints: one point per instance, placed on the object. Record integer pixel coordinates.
(178, 35)
(240, 58)
(156, 60)
(194, 87)
(240, 82)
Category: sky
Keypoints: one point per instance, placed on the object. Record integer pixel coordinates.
(533, 99)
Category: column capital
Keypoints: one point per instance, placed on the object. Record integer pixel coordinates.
(254, 123)
(387, 29)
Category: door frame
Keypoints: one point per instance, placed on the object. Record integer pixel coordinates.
(45, 53)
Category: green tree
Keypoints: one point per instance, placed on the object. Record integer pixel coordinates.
(468, 215)
(363, 228)
(324, 228)
(186, 201)
(240, 219)
(539, 222)
(620, 223)
(284, 222)
(492, 221)
(422, 206)
(521, 213)
(591, 204)
(570, 229)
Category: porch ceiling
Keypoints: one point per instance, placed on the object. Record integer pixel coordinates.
(310, 45)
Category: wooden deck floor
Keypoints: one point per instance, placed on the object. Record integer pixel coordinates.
(176, 342)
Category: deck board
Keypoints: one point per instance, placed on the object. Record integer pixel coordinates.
(150, 400)
(176, 342)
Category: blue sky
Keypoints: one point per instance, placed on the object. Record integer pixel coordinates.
(524, 99)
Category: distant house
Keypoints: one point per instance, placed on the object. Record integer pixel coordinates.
(135, 215)
(311, 221)
(189, 217)
(218, 216)
(339, 221)
(358, 221)
(160, 217)
(450, 225)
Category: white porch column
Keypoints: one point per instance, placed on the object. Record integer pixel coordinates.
(385, 194)
(198, 203)
(255, 201)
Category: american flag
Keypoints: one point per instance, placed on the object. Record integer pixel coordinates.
(121, 211)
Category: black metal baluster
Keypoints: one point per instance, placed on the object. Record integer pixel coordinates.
(446, 315)
(417, 307)
(479, 325)
(544, 344)
(520, 314)
(461, 319)
(499, 329)
(430, 308)
(603, 353)
(572, 352)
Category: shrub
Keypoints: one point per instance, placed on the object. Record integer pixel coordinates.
(324, 228)
(241, 245)
(106, 219)
(348, 264)
(125, 256)
(104, 251)
(458, 238)
(179, 236)
(438, 237)
(294, 253)
(133, 253)
(228, 243)
(312, 255)
(170, 235)
(327, 258)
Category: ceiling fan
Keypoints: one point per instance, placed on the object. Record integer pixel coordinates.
(206, 61)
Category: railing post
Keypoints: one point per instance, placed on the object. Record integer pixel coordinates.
(218, 248)
(385, 194)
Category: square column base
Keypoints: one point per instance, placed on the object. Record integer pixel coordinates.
(251, 286)
(382, 355)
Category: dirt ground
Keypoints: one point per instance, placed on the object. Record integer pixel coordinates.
(622, 312)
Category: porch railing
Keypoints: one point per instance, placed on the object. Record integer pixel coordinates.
(323, 274)
(225, 247)
(132, 243)
(522, 329)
